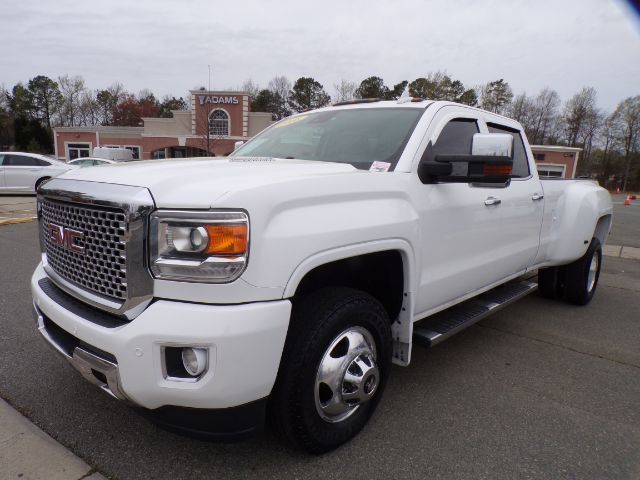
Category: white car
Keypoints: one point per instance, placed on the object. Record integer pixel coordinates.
(91, 162)
(24, 172)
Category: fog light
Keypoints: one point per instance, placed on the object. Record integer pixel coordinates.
(194, 360)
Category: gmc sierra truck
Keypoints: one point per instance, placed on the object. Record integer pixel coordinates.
(282, 282)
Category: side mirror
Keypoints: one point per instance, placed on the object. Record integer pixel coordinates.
(238, 144)
(490, 161)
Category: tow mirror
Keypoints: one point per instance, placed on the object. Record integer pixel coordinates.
(490, 161)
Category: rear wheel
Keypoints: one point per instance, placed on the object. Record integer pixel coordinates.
(334, 368)
(581, 277)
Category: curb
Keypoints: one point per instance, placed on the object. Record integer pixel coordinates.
(632, 253)
(28, 452)
(12, 221)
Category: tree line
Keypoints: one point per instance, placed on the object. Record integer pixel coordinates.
(610, 140)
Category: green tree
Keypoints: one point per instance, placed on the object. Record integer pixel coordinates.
(307, 93)
(45, 97)
(495, 96)
(171, 103)
(372, 87)
(397, 90)
(267, 101)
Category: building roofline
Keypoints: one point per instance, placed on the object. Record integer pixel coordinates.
(101, 129)
(555, 148)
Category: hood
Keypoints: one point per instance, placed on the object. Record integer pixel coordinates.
(197, 183)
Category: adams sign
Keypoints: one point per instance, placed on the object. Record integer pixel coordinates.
(205, 99)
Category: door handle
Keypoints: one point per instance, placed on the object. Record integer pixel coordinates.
(492, 201)
(537, 196)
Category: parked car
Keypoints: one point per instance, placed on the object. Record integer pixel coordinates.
(91, 162)
(24, 172)
(285, 280)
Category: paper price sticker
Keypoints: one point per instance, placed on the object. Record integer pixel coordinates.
(380, 167)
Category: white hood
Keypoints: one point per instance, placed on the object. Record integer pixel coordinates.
(197, 183)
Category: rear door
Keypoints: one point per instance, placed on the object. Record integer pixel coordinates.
(21, 172)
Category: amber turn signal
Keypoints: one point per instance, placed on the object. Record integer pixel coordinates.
(227, 239)
(502, 170)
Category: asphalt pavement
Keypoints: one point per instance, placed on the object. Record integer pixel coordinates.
(540, 389)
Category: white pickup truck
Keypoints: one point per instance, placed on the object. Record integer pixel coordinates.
(283, 281)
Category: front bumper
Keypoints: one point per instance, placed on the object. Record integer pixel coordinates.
(245, 344)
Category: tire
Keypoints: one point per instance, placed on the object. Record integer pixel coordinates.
(581, 277)
(337, 329)
(39, 182)
(549, 283)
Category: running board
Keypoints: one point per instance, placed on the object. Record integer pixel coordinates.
(442, 325)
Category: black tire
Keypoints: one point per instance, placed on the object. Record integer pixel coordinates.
(317, 321)
(549, 283)
(579, 286)
(39, 182)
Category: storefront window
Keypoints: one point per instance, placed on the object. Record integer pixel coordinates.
(78, 150)
(135, 150)
(219, 123)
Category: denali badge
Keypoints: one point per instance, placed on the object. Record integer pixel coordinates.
(65, 237)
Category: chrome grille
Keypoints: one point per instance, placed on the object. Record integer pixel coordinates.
(101, 267)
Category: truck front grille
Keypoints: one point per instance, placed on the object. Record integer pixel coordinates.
(99, 262)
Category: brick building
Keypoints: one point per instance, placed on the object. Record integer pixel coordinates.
(214, 123)
(556, 161)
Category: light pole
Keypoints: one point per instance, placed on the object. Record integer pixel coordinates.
(208, 113)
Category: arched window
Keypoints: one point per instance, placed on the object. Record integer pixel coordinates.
(219, 123)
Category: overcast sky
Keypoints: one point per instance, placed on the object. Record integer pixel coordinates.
(165, 46)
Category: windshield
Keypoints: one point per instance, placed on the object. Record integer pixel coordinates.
(356, 136)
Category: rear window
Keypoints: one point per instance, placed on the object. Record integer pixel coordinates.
(520, 163)
(355, 136)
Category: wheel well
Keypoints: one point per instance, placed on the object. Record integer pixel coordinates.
(380, 274)
(40, 180)
(602, 228)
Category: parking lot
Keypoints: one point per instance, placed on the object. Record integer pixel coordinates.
(540, 389)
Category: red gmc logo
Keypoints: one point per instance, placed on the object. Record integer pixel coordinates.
(65, 237)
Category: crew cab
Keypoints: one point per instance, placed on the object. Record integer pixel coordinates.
(284, 280)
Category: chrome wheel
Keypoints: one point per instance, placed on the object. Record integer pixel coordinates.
(347, 375)
(593, 270)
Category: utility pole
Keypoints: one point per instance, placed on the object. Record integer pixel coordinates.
(208, 113)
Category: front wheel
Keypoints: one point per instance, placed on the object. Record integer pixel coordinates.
(581, 277)
(334, 368)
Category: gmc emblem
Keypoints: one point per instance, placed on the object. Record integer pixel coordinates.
(65, 237)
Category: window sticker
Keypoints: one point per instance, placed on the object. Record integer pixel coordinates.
(380, 167)
(290, 121)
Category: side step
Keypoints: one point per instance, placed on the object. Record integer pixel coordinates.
(442, 325)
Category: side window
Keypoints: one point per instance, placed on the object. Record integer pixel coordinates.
(2, 157)
(520, 163)
(43, 163)
(456, 137)
(21, 161)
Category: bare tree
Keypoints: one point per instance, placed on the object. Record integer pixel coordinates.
(544, 113)
(576, 113)
(250, 87)
(89, 109)
(627, 118)
(345, 90)
(495, 96)
(71, 89)
(280, 87)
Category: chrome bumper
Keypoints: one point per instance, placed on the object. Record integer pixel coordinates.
(97, 370)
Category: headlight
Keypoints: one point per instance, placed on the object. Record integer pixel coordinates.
(210, 247)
